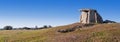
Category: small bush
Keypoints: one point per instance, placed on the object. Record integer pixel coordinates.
(8, 28)
(27, 28)
(45, 26)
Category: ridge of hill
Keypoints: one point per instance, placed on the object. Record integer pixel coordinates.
(95, 33)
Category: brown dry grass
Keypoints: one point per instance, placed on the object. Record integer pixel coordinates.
(96, 33)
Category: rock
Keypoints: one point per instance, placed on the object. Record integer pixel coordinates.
(67, 30)
(109, 21)
(89, 16)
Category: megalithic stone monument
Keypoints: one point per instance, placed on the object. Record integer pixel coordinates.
(90, 16)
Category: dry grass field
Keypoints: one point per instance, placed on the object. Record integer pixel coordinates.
(96, 33)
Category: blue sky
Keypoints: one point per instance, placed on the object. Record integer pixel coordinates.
(20, 13)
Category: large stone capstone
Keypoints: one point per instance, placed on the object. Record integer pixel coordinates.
(89, 16)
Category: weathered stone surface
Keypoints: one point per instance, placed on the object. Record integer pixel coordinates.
(90, 16)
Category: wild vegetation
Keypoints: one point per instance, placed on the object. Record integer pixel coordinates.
(26, 28)
(95, 33)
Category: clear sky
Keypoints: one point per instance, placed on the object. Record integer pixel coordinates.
(20, 13)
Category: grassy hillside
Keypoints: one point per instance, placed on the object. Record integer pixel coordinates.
(96, 33)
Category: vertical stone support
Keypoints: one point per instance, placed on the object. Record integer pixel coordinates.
(88, 17)
(96, 18)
